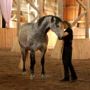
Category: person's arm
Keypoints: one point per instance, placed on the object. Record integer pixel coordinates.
(65, 34)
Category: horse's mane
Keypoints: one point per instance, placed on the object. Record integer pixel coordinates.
(40, 20)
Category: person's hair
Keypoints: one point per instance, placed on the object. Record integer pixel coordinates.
(66, 22)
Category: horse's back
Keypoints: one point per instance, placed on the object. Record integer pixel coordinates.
(26, 27)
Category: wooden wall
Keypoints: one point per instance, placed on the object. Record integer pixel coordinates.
(80, 49)
(7, 37)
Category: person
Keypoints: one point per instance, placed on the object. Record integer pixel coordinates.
(3, 22)
(67, 53)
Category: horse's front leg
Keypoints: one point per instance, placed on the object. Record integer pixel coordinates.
(32, 57)
(42, 64)
(24, 54)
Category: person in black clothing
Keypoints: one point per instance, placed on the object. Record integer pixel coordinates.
(67, 53)
(3, 22)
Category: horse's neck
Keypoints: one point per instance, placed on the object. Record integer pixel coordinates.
(43, 28)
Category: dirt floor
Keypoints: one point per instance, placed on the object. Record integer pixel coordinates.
(11, 76)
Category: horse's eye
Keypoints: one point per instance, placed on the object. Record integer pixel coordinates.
(57, 25)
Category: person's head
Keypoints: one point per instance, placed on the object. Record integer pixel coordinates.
(66, 24)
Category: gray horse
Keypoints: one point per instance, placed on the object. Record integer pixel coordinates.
(33, 36)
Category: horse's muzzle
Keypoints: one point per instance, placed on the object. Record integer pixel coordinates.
(60, 38)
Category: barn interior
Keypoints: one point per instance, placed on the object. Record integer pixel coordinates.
(77, 12)
(22, 11)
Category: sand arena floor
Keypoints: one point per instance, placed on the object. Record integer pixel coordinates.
(12, 79)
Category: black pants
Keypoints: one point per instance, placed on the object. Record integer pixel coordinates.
(67, 62)
(3, 22)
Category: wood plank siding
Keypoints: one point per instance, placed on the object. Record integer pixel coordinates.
(7, 37)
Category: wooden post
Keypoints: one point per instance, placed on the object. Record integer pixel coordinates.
(41, 7)
(18, 16)
(60, 8)
(89, 12)
(87, 18)
(87, 26)
(79, 12)
(16, 47)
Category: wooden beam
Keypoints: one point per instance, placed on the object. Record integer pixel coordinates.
(78, 18)
(31, 3)
(80, 15)
(82, 5)
(86, 8)
(34, 7)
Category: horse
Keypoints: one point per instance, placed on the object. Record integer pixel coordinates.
(33, 37)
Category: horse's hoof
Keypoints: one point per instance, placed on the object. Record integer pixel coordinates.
(32, 76)
(23, 73)
(43, 77)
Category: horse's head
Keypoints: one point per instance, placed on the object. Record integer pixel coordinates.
(55, 25)
(50, 22)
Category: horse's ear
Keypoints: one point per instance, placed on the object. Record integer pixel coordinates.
(53, 19)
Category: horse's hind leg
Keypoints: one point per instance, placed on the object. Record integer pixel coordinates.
(24, 53)
(32, 57)
(42, 64)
